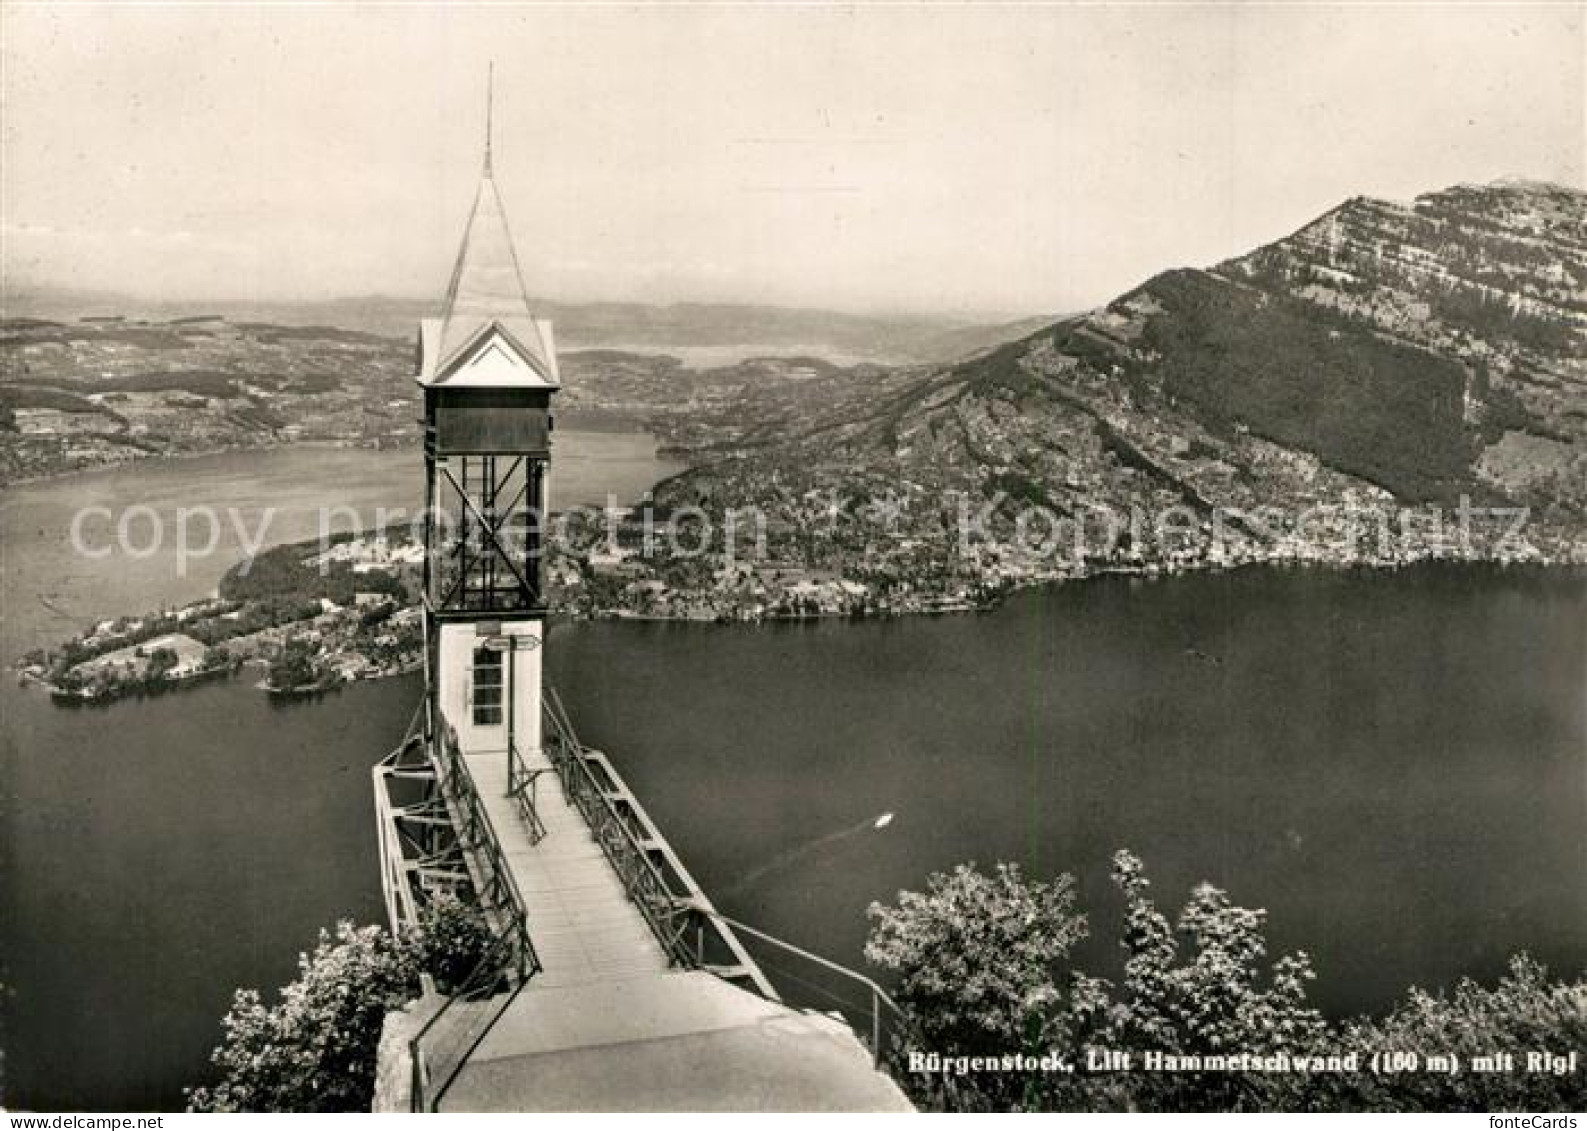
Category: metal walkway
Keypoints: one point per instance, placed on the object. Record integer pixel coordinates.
(614, 984)
(608, 1024)
(584, 926)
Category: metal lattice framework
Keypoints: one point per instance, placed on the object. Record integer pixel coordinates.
(487, 544)
(436, 837)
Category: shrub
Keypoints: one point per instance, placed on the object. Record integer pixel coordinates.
(451, 941)
(977, 955)
(1526, 1012)
(1201, 987)
(315, 1049)
(977, 958)
(980, 966)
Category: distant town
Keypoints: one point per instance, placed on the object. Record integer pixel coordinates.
(1324, 401)
(105, 390)
(308, 618)
(305, 621)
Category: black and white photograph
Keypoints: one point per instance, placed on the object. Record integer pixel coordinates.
(792, 557)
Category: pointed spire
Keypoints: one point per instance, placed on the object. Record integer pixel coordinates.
(490, 109)
(487, 285)
(486, 281)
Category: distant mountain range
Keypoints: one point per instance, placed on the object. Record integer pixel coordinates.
(1414, 353)
(1408, 353)
(884, 338)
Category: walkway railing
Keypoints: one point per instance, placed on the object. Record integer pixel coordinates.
(693, 934)
(494, 885)
(521, 785)
(884, 1015)
(697, 936)
(655, 879)
(880, 1021)
(440, 1049)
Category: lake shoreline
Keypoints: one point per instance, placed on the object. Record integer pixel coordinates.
(175, 459)
(1268, 731)
(703, 611)
(598, 422)
(1002, 598)
(30, 676)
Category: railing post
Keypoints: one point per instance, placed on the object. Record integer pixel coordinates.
(876, 1028)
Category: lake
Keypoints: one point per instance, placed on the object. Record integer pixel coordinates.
(1394, 765)
(155, 853)
(48, 590)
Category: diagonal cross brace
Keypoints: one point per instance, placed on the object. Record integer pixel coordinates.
(491, 529)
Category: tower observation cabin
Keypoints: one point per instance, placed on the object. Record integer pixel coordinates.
(487, 367)
(611, 981)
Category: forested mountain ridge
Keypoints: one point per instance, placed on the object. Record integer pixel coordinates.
(1386, 356)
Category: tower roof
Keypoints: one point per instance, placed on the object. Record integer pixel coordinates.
(486, 291)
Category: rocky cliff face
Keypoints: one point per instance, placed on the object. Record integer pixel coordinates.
(1491, 277)
(1385, 355)
(1505, 262)
(1420, 351)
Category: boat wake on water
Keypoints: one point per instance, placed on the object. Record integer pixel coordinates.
(805, 850)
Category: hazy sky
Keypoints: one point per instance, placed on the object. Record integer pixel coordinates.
(954, 158)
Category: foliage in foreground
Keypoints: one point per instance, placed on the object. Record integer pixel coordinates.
(1525, 1012)
(982, 967)
(976, 954)
(314, 1049)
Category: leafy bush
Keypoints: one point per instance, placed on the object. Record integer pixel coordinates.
(980, 962)
(1525, 1012)
(978, 959)
(315, 1048)
(1200, 987)
(977, 955)
(451, 942)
